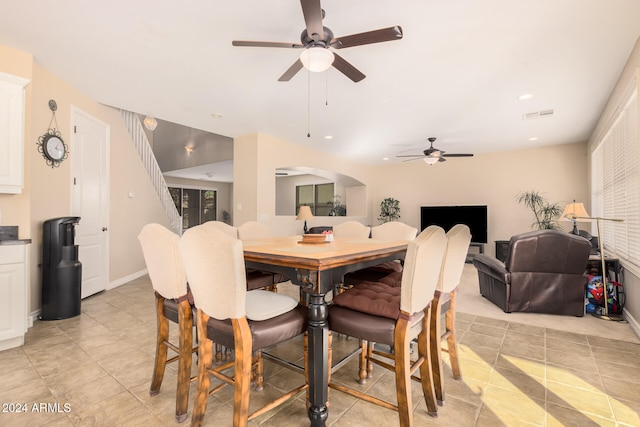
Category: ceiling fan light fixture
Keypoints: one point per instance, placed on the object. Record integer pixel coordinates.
(150, 123)
(430, 160)
(317, 59)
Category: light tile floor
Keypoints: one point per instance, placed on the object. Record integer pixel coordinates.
(95, 370)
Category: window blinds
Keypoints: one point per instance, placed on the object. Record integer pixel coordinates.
(615, 181)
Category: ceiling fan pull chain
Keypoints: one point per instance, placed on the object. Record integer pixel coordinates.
(326, 88)
(308, 104)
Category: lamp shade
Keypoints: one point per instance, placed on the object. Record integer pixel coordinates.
(575, 211)
(317, 59)
(304, 213)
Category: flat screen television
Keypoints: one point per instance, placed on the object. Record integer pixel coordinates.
(475, 217)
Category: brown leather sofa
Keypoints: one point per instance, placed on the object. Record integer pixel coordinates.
(544, 273)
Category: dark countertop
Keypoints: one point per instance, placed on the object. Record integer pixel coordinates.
(9, 236)
(15, 242)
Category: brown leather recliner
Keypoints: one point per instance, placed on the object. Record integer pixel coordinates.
(544, 273)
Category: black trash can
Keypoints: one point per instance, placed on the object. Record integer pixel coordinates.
(61, 269)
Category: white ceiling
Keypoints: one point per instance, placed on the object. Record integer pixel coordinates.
(455, 75)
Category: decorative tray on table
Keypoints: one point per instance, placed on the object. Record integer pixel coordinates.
(313, 239)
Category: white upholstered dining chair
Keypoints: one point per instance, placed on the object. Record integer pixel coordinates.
(394, 230)
(353, 229)
(227, 313)
(168, 278)
(395, 316)
(458, 239)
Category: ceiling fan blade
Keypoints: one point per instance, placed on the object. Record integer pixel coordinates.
(457, 155)
(411, 155)
(369, 37)
(347, 69)
(312, 11)
(409, 160)
(297, 66)
(266, 44)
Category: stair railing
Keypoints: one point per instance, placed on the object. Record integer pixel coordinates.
(141, 143)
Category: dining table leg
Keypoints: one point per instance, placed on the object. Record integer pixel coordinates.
(318, 329)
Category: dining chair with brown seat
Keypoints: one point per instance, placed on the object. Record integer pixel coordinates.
(352, 229)
(247, 321)
(169, 281)
(253, 230)
(392, 230)
(257, 279)
(395, 316)
(227, 229)
(458, 239)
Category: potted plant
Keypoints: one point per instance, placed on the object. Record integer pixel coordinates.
(546, 213)
(226, 218)
(337, 208)
(389, 210)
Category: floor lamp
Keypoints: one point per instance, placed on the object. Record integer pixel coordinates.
(598, 220)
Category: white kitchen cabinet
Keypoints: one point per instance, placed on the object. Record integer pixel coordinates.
(12, 107)
(14, 312)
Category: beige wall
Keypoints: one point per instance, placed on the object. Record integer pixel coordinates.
(492, 179)
(631, 273)
(47, 191)
(560, 172)
(257, 156)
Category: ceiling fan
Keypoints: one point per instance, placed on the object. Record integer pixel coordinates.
(433, 155)
(317, 39)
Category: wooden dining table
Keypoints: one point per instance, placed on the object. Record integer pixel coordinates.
(317, 268)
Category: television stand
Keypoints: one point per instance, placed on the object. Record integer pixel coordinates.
(471, 254)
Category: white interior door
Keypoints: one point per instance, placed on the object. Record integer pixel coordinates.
(90, 198)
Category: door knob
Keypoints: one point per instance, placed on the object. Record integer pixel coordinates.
(104, 228)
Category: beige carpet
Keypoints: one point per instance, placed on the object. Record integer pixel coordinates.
(471, 302)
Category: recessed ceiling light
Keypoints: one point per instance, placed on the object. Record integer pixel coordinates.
(328, 137)
(385, 158)
(525, 96)
(217, 115)
(533, 138)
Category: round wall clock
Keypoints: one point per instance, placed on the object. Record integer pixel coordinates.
(52, 148)
(51, 145)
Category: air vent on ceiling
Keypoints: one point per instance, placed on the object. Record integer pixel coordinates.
(538, 114)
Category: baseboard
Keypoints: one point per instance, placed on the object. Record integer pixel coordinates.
(635, 326)
(126, 279)
(35, 315)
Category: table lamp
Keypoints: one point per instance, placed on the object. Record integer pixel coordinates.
(576, 212)
(304, 214)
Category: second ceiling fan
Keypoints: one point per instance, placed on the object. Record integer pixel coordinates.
(434, 155)
(316, 40)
